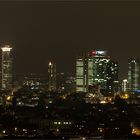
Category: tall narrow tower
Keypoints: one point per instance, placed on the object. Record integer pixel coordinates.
(133, 74)
(52, 76)
(6, 67)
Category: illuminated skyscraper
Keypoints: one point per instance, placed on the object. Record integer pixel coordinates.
(112, 76)
(6, 67)
(82, 73)
(52, 76)
(124, 85)
(96, 68)
(133, 74)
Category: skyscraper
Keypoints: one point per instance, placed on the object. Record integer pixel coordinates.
(96, 68)
(124, 85)
(6, 67)
(82, 73)
(133, 74)
(52, 76)
(112, 76)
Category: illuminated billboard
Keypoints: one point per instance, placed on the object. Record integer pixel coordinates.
(98, 53)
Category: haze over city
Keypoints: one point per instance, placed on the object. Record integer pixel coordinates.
(69, 70)
(59, 31)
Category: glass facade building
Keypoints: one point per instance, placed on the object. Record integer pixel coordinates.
(95, 68)
(133, 74)
(82, 73)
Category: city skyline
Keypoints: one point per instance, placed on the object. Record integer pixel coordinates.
(60, 31)
(69, 69)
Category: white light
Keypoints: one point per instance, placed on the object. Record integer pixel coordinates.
(7, 48)
(50, 63)
(50, 102)
(101, 52)
(125, 80)
(103, 102)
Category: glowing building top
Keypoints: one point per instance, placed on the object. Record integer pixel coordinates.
(97, 53)
(50, 63)
(6, 48)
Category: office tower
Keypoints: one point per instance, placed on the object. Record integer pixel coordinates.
(52, 76)
(81, 73)
(96, 68)
(124, 85)
(6, 67)
(99, 68)
(112, 77)
(133, 74)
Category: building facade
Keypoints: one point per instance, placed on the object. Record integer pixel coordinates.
(133, 74)
(51, 76)
(124, 85)
(96, 68)
(82, 72)
(6, 67)
(112, 77)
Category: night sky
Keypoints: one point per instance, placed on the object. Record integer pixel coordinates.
(58, 31)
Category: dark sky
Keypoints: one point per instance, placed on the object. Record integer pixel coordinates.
(43, 31)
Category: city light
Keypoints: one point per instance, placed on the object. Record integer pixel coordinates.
(6, 48)
(50, 63)
(103, 102)
(125, 96)
(9, 98)
(136, 131)
(61, 81)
